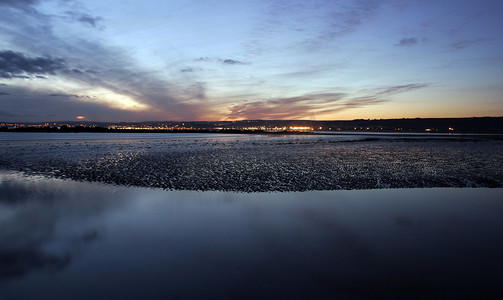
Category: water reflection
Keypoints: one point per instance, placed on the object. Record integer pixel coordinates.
(64, 239)
(43, 223)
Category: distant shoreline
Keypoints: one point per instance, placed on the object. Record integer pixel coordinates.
(474, 125)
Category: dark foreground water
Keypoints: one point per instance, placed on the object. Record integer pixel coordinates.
(61, 239)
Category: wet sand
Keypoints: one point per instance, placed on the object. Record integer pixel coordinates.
(261, 163)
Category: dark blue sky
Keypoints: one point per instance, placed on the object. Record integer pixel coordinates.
(225, 60)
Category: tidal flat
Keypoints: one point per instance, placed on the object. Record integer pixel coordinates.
(259, 163)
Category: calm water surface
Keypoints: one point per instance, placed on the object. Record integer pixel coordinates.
(61, 239)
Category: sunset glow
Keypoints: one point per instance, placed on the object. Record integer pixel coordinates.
(201, 60)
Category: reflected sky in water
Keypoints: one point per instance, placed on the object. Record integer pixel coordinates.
(79, 240)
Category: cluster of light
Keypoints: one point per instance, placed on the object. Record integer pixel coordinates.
(149, 127)
(276, 129)
(254, 128)
(300, 128)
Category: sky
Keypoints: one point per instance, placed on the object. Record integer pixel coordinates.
(186, 60)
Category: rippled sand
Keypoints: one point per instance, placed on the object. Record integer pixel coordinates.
(263, 163)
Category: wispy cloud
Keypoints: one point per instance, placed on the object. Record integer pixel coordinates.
(306, 106)
(284, 108)
(407, 42)
(350, 16)
(466, 43)
(203, 59)
(225, 61)
(332, 20)
(84, 18)
(232, 62)
(400, 89)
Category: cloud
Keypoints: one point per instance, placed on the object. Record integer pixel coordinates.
(18, 262)
(314, 25)
(466, 43)
(400, 89)
(77, 71)
(16, 65)
(36, 50)
(203, 59)
(18, 3)
(284, 108)
(407, 42)
(349, 17)
(84, 18)
(30, 105)
(232, 62)
(197, 90)
(4, 94)
(225, 61)
(306, 106)
(60, 95)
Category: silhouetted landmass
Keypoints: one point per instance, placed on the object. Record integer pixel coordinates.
(417, 125)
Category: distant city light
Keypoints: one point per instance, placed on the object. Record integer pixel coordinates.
(300, 128)
(264, 126)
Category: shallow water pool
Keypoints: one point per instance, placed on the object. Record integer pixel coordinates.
(79, 240)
